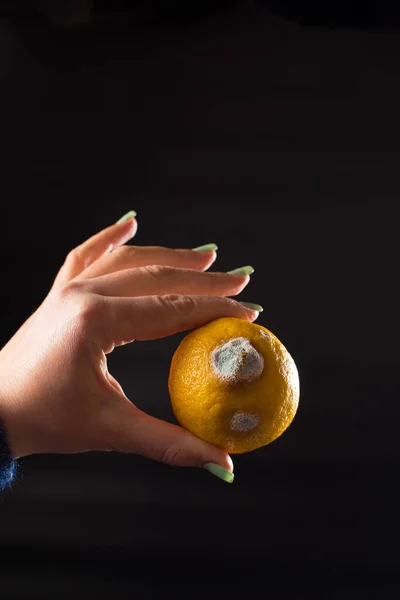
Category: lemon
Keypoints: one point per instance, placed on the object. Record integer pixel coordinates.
(233, 384)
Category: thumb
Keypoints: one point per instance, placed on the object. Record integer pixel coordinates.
(134, 431)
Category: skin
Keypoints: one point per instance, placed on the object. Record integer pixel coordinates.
(56, 393)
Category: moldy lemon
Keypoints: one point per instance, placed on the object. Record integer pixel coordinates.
(233, 384)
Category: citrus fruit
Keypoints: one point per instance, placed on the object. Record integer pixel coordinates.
(233, 384)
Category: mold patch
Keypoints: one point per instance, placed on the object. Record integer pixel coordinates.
(242, 421)
(237, 361)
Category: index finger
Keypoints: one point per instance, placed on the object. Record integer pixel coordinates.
(151, 317)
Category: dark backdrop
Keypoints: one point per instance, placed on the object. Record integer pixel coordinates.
(279, 142)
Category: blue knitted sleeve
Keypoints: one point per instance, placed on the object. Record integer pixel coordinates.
(8, 466)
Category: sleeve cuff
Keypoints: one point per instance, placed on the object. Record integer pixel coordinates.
(8, 466)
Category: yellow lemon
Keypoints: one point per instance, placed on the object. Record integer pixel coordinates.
(233, 384)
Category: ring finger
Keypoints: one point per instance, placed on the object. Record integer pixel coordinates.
(127, 257)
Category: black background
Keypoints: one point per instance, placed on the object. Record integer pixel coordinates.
(279, 141)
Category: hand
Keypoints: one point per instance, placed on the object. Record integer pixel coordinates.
(56, 393)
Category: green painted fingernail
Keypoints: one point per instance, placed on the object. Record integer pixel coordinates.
(220, 472)
(129, 215)
(252, 306)
(206, 248)
(242, 271)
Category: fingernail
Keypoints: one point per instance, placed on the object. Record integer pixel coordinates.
(252, 306)
(219, 471)
(242, 271)
(206, 248)
(129, 215)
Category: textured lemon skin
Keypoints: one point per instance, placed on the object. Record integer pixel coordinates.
(204, 403)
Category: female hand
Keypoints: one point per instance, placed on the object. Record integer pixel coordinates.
(56, 393)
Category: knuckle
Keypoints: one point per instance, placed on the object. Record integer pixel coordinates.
(181, 306)
(74, 256)
(84, 307)
(131, 250)
(90, 308)
(118, 250)
(70, 291)
(172, 455)
(157, 271)
(186, 305)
